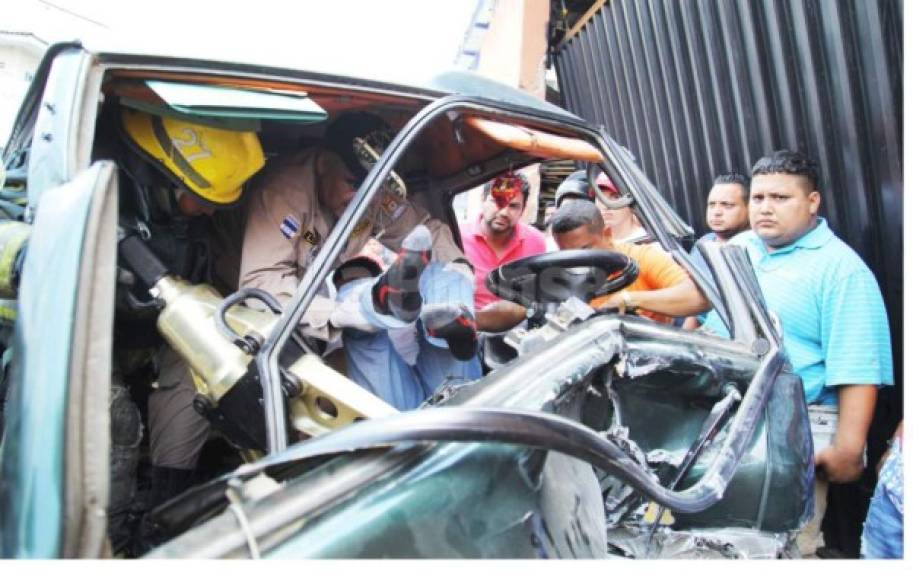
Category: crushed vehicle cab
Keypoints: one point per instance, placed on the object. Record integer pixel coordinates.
(602, 434)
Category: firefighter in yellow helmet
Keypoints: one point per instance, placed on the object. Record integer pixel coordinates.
(199, 169)
(210, 163)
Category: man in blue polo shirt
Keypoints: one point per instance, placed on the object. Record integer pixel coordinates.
(834, 321)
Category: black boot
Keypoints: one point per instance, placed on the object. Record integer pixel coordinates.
(396, 292)
(166, 483)
(126, 435)
(456, 325)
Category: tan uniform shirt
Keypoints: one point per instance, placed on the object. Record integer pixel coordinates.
(286, 226)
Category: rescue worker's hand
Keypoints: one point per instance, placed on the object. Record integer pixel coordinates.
(348, 314)
(838, 465)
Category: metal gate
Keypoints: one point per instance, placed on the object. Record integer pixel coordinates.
(695, 88)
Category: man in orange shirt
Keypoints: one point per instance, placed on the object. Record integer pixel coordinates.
(661, 291)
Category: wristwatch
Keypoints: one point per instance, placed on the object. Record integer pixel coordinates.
(627, 302)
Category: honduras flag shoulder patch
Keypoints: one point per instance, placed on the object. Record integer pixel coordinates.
(289, 227)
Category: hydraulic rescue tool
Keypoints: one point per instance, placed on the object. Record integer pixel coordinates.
(219, 339)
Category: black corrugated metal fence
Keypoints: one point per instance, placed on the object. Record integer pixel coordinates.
(695, 88)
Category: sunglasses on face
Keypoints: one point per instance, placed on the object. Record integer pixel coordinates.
(506, 188)
(611, 194)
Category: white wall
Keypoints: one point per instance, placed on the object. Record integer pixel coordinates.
(27, 28)
(19, 57)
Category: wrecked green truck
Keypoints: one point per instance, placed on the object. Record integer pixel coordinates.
(602, 435)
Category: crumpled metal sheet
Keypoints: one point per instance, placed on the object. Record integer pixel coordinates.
(620, 498)
(706, 544)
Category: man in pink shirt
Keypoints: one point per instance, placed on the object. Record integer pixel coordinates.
(498, 236)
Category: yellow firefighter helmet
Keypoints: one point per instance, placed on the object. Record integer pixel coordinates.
(212, 163)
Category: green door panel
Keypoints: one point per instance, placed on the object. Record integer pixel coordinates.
(33, 486)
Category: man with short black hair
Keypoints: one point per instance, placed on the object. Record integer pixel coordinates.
(498, 235)
(621, 223)
(727, 216)
(662, 289)
(834, 322)
(727, 212)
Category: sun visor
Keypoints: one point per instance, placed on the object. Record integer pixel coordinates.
(535, 142)
(229, 102)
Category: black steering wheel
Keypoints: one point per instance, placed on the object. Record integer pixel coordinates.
(556, 276)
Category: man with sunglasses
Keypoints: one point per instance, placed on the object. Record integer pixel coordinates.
(498, 236)
(661, 291)
(621, 223)
(295, 204)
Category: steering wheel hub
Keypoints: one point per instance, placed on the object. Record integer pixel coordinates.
(554, 277)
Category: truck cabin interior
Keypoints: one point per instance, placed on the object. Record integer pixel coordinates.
(451, 154)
